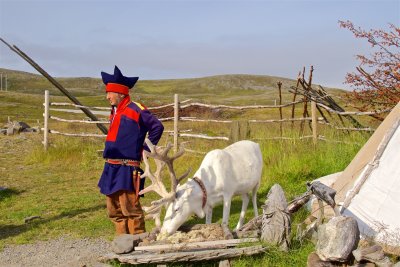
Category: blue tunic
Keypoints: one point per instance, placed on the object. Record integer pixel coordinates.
(130, 123)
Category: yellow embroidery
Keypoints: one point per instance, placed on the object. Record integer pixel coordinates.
(139, 105)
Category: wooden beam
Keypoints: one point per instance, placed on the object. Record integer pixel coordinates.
(197, 245)
(55, 83)
(184, 256)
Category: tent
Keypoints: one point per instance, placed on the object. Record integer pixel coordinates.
(369, 188)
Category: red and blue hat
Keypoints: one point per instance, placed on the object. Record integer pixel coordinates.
(117, 82)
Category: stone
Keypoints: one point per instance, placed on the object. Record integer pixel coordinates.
(276, 224)
(126, 243)
(123, 244)
(337, 239)
(314, 261)
(373, 254)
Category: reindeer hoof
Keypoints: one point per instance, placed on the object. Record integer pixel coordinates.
(227, 233)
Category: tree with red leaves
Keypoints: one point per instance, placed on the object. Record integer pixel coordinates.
(377, 81)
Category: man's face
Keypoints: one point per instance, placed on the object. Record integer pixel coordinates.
(114, 98)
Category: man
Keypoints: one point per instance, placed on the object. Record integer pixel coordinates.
(120, 180)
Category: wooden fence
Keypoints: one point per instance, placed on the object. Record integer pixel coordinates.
(238, 128)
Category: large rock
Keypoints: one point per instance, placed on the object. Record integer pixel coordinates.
(372, 254)
(337, 239)
(125, 243)
(275, 228)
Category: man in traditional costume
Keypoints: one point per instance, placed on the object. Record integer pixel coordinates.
(120, 181)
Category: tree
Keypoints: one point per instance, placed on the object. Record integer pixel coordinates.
(376, 83)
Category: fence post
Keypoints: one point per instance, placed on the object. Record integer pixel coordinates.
(46, 119)
(314, 120)
(240, 130)
(280, 108)
(176, 119)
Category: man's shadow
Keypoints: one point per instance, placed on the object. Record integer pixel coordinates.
(13, 229)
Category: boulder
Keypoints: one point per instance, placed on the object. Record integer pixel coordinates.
(337, 239)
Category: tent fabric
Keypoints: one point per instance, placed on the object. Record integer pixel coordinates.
(366, 154)
(376, 206)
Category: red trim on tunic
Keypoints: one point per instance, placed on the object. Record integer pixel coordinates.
(130, 113)
(122, 110)
(117, 88)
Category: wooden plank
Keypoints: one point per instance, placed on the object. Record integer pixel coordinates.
(197, 245)
(139, 257)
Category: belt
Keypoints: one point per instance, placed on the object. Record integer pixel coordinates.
(126, 162)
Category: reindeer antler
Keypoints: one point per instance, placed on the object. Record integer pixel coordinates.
(161, 159)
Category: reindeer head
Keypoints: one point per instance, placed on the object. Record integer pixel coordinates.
(161, 159)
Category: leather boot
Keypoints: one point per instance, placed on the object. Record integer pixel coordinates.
(121, 227)
(136, 226)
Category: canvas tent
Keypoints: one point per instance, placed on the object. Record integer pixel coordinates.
(369, 188)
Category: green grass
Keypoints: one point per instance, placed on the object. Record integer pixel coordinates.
(60, 185)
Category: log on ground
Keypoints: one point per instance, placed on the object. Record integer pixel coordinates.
(139, 257)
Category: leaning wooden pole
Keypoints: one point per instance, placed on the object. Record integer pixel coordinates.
(56, 84)
(46, 119)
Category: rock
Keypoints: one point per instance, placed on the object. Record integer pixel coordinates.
(314, 261)
(125, 243)
(122, 244)
(373, 254)
(15, 127)
(31, 218)
(337, 239)
(276, 222)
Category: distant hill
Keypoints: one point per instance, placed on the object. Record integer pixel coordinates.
(235, 84)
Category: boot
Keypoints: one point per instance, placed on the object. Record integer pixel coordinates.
(136, 226)
(121, 227)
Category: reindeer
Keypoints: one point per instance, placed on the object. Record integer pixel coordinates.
(223, 173)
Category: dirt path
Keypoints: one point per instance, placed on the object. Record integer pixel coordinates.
(59, 252)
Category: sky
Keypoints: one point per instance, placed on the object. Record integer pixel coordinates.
(193, 38)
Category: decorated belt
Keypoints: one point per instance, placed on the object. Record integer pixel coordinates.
(126, 162)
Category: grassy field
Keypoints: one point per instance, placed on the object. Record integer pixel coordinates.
(60, 185)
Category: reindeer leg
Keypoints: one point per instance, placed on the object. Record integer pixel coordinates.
(254, 199)
(245, 203)
(225, 217)
(209, 215)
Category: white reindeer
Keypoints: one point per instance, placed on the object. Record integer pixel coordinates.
(224, 173)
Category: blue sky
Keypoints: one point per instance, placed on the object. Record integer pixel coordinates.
(193, 38)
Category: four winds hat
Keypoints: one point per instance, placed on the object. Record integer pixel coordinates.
(117, 82)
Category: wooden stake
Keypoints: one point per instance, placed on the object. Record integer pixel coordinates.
(280, 104)
(314, 121)
(46, 119)
(176, 119)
